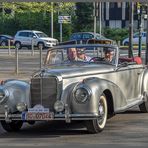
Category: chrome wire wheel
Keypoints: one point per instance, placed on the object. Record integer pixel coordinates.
(102, 111)
(97, 125)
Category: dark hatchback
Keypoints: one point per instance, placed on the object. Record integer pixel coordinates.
(84, 37)
(4, 40)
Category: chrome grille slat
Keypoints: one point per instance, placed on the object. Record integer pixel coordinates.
(49, 91)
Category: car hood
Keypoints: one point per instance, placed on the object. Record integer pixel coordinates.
(77, 71)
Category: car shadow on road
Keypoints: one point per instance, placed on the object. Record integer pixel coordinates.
(47, 130)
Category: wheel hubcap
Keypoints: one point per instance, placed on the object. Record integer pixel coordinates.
(102, 112)
(101, 109)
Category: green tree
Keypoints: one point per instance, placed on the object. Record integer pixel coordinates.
(84, 17)
(35, 16)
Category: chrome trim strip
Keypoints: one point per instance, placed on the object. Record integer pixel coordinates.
(57, 117)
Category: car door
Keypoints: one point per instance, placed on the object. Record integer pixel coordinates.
(129, 80)
(29, 38)
(136, 38)
(23, 38)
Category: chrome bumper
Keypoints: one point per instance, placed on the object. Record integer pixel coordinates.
(67, 116)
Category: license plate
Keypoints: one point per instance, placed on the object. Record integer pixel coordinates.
(37, 116)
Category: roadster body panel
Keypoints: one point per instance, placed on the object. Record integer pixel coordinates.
(72, 91)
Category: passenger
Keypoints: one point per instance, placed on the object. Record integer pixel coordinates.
(72, 54)
(82, 56)
(109, 55)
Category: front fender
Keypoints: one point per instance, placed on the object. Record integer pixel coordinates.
(97, 87)
(18, 91)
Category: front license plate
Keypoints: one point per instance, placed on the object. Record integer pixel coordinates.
(37, 116)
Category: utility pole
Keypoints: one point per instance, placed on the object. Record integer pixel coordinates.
(94, 13)
(130, 51)
(100, 18)
(146, 52)
(139, 11)
(52, 19)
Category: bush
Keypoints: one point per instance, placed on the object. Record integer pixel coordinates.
(116, 33)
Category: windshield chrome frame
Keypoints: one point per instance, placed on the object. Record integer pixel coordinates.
(86, 45)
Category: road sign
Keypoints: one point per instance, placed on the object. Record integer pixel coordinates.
(64, 19)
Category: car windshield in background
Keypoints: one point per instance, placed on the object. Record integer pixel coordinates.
(100, 37)
(41, 35)
(70, 55)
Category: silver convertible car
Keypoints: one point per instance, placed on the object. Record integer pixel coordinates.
(90, 89)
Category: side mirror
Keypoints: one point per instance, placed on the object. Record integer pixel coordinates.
(34, 37)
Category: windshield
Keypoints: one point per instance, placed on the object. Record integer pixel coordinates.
(100, 37)
(41, 34)
(70, 55)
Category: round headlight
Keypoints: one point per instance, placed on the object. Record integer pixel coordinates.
(3, 95)
(21, 107)
(59, 106)
(82, 94)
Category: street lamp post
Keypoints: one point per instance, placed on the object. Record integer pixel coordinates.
(146, 53)
(52, 19)
(95, 19)
(139, 11)
(100, 18)
(130, 51)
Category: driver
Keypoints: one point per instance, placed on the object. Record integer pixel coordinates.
(109, 55)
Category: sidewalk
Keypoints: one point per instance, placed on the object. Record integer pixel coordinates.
(27, 65)
(11, 75)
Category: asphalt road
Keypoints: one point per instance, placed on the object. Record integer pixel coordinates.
(128, 129)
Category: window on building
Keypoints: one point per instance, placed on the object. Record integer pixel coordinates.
(115, 24)
(112, 5)
(119, 4)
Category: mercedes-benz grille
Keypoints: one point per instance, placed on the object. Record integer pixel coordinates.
(43, 91)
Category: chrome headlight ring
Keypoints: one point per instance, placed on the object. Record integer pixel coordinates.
(3, 95)
(82, 93)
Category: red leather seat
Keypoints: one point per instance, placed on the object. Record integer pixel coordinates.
(125, 59)
(138, 60)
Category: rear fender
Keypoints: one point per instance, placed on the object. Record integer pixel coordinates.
(145, 82)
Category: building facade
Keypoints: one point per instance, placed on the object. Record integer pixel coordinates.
(116, 15)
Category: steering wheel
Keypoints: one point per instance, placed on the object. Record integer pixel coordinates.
(96, 59)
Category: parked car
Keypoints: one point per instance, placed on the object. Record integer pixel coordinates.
(25, 38)
(135, 39)
(4, 40)
(66, 89)
(84, 37)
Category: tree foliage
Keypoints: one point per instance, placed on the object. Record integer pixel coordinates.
(84, 17)
(116, 34)
(35, 16)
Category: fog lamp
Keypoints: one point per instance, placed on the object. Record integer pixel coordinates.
(59, 106)
(21, 106)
